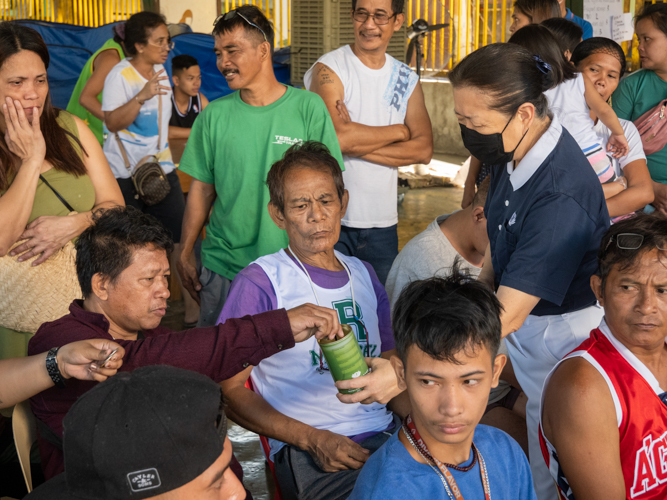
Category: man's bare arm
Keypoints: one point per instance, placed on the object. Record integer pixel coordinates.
(355, 139)
(331, 452)
(419, 148)
(200, 199)
(580, 421)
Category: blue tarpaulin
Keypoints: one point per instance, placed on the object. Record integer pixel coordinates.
(70, 47)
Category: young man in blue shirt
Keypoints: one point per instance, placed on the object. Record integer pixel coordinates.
(447, 333)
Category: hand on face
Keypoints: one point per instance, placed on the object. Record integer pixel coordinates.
(22, 137)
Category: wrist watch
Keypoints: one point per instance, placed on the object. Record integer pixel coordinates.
(52, 368)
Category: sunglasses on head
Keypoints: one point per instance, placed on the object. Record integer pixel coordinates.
(632, 241)
(231, 14)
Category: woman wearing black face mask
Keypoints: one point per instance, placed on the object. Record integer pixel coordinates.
(546, 215)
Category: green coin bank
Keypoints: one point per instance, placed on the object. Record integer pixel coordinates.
(344, 357)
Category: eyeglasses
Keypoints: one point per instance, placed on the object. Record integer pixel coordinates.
(379, 18)
(632, 241)
(164, 43)
(230, 15)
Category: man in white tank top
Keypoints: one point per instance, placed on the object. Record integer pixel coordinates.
(377, 107)
(318, 439)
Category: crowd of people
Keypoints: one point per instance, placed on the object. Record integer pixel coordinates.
(515, 348)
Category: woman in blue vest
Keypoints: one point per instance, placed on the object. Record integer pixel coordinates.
(546, 215)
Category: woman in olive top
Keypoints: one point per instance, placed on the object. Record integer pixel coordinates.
(644, 89)
(38, 140)
(86, 99)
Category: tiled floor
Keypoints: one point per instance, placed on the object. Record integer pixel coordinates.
(419, 208)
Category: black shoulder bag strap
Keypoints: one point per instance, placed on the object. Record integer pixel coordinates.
(49, 435)
(67, 205)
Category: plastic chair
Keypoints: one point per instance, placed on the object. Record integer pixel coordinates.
(25, 434)
(264, 441)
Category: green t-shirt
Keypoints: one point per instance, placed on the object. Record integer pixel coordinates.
(233, 146)
(634, 96)
(74, 107)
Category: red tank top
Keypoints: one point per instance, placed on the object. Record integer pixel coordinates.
(641, 417)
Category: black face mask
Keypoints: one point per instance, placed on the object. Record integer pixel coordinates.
(489, 148)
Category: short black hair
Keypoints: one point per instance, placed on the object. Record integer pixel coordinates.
(652, 227)
(657, 13)
(311, 155)
(599, 45)
(396, 6)
(540, 41)
(107, 245)
(509, 74)
(252, 14)
(568, 34)
(182, 62)
(443, 316)
(139, 27)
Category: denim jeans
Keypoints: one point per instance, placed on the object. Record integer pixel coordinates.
(378, 246)
(300, 478)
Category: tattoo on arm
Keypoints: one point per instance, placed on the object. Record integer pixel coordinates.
(325, 74)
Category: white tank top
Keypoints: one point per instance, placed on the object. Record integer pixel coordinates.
(568, 103)
(297, 382)
(374, 97)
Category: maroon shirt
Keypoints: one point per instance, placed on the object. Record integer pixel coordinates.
(219, 352)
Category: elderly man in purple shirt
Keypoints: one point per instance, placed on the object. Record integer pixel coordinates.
(318, 438)
(123, 271)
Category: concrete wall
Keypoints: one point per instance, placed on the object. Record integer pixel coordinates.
(440, 105)
(199, 14)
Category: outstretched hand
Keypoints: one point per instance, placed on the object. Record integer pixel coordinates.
(308, 320)
(153, 86)
(83, 360)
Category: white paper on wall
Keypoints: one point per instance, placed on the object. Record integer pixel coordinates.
(621, 27)
(600, 14)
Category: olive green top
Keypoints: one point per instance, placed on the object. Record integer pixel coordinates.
(79, 193)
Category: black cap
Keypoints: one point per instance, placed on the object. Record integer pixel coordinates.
(138, 435)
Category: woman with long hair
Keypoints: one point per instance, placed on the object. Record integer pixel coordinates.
(43, 150)
(546, 215)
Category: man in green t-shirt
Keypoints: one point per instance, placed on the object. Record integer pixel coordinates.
(231, 148)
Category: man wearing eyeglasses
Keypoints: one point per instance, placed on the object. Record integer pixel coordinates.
(604, 414)
(231, 148)
(377, 106)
